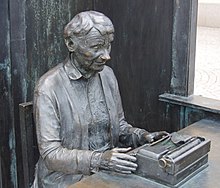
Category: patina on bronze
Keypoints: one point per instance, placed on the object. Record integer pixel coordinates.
(78, 113)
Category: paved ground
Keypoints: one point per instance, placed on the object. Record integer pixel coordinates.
(207, 74)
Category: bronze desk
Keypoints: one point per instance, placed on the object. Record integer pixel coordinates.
(208, 178)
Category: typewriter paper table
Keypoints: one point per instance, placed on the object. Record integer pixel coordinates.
(208, 178)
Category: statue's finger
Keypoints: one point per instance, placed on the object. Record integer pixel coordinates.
(126, 163)
(125, 168)
(121, 150)
(124, 156)
(121, 171)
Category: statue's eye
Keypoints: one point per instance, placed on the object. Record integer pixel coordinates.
(96, 47)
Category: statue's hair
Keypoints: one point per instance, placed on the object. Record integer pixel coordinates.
(83, 22)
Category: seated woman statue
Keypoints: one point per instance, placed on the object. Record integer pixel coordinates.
(80, 122)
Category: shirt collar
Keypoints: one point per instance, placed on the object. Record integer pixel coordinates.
(71, 70)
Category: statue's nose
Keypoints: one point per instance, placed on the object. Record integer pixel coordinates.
(105, 56)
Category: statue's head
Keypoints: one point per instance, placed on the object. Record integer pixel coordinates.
(88, 37)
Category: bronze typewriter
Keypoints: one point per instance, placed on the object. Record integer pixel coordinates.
(173, 159)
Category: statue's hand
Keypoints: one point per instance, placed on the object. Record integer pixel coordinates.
(151, 137)
(117, 160)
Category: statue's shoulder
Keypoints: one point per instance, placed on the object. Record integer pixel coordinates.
(107, 71)
(108, 75)
(50, 78)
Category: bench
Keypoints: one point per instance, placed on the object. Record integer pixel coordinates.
(30, 153)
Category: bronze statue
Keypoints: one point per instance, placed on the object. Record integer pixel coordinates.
(80, 123)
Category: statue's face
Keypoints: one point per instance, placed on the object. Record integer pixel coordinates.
(93, 50)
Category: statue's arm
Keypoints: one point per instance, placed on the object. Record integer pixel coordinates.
(56, 157)
(130, 136)
(126, 137)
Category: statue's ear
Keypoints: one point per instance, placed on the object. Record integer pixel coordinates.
(71, 45)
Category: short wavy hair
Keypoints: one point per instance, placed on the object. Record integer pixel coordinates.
(83, 22)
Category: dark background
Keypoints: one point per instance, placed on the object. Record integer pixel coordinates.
(150, 56)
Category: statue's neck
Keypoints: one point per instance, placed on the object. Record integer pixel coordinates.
(85, 73)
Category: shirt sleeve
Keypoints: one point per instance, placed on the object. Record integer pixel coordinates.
(56, 157)
(129, 136)
(125, 136)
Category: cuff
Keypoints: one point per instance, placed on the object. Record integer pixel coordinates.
(138, 132)
(95, 161)
(138, 136)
